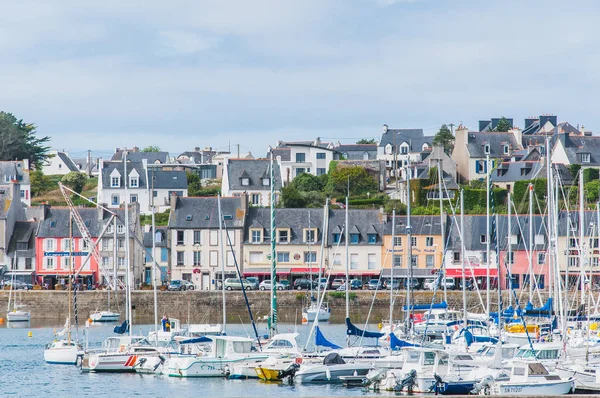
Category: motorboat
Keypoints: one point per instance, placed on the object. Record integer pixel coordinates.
(333, 370)
(63, 352)
(118, 354)
(175, 329)
(105, 316)
(529, 378)
(323, 312)
(17, 315)
(587, 377)
(204, 329)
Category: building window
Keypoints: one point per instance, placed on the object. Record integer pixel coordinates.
(397, 260)
(506, 149)
(134, 182)
(388, 149)
(180, 258)
(354, 261)
(480, 167)
(573, 261)
(85, 246)
(372, 261)
(486, 149)
(256, 257)
(483, 239)
(337, 259)
(337, 238)
(266, 182)
(594, 243)
(133, 198)
(541, 258)
(245, 182)
(585, 158)
(197, 240)
(511, 257)
(429, 241)
(283, 257)
(121, 244)
(180, 235)
(106, 262)
(283, 236)
(456, 257)
(354, 238)
(430, 261)
(106, 243)
(309, 235)
(310, 257)
(255, 199)
(404, 149)
(120, 228)
(372, 238)
(115, 182)
(415, 260)
(573, 242)
(321, 155)
(413, 240)
(300, 157)
(299, 171)
(66, 244)
(114, 200)
(213, 258)
(214, 238)
(121, 262)
(397, 241)
(230, 258)
(49, 262)
(594, 261)
(28, 263)
(321, 171)
(365, 156)
(256, 236)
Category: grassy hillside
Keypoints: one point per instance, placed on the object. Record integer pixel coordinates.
(55, 198)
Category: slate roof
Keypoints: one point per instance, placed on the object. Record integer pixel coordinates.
(420, 225)
(361, 219)
(563, 222)
(67, 161)
(24, 231)
(163, 179)
(151, 157)
(205, 214)
(162, 243)
(575, 145)
(414, 137)
(496, 142)
(295, 219)
(253, 169)
(516, 171)
(56, 221)
(12, 168)
(285, 154)
(356, 151)
(81, 164)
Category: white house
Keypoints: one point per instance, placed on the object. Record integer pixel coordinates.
(16, 170)
(405, 146)
(311, 157)
(59, 163)
(146, 184)
(251, 177)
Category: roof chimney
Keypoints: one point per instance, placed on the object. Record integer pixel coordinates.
(385, 128)
(136, 149)
(173, 200)
(529, 121)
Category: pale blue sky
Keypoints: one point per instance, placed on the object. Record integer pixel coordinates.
(198, 73)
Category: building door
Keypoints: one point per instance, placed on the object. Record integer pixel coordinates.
(205, 282)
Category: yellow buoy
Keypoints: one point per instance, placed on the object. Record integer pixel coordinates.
(594, 326)
(30, 334)
(380, 325)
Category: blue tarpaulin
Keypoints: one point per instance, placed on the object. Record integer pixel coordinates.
(320, 340)
(196, 340)
(545, 311)
(396, 343)
(420, 307)
(124, 328)
(352, 330)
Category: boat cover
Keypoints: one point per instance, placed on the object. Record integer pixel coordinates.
(333, 358)
(201, 339)
(124, 328)
(420, 307)
(545, 311)
(320, 340)
(396, 343)
(470, 338)
(352, 330)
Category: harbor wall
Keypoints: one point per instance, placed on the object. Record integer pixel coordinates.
(206, 306)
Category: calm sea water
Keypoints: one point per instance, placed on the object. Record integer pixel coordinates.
(24, 373)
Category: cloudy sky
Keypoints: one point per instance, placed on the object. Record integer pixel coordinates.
(178, 74)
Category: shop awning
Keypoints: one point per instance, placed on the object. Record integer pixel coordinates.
(403, 272)
(470, 272)
(261, 271)
(21, 272)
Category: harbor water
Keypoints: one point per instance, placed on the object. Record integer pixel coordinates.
(23, 372)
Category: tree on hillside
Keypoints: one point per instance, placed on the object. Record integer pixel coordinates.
(151, 148)
(354, 177)
(445, 138)
(194, 184)
(18, 141)
(75, 180)
(503, 125)
(291, 197)
(306, 182)
(366, 141)
(40, 183)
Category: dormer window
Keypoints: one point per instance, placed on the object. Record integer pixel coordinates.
(585, 158)
(486, 149)
(115, 182)
(245, 181)
(256, 235)
(404, 149)
(337, 238)
(354, 238)
(505, 149)
(134, 182)
(388, 149)
(309, 235)
(372, 238)
(365, 156)
(283, 235)
(266, 182)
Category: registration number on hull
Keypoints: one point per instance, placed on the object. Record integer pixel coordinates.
(509, 390)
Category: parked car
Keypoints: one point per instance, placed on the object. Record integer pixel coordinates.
(285, 283)
(375, 284)
(468, 284)
(392, 284)
(178, 285)
(415, 283)
(323, 283)
(18, 285)
(430, 284)
(267, 285)
(356, 284)
(304, 283)
(255, 282)
(236, 284)
(337, 283)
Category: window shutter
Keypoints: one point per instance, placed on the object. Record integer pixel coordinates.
(477, 167)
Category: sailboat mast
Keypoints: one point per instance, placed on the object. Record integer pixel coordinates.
(392, 271)
(581, 235)
(549, 204)
(154, 265)
(322, 255)
(273, 318)
(487, 236)
(222, 244)
(442, 226)
(409, 313)
(347, 289)
(462, 254)
(508, 261)
(309, 259)
(127, 251)
(70, 272)
(531, 273)
(115, 258)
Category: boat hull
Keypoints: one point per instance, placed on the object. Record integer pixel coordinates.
(118, 363)
(105, 316)
(210, 367)
(550, 388)
(310, 315)
(62, 355)
(331, 373)
(18, 316)
(267, 374)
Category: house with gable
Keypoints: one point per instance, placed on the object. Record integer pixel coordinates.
(135, 155)
(147, 184)
(357, 151)
(576, 149)
(251, 177)
(402, 147)
(16, 170)
(12, 211)
(299, 157)
(59, 163)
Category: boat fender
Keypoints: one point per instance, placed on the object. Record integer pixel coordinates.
(298, 360)
(122, 348)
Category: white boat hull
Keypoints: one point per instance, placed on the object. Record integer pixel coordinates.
(311, 314)
(548, 388)
(192, 366)
(105, 316)
(18, 316)
(109, 362)
(331, 373)
(65, 355)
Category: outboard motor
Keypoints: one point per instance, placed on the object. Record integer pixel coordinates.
(435, 387)
(290, 371)
(483, 387)
(409, 382)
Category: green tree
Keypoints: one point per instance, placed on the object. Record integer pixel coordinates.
(366, 141)
(18, 141)
(503, 125)
(307, 182)
(291, 197)
(151, 148)
(445, 138)
(355, 177)
(40, 183)
(194, 184)
(75, 180)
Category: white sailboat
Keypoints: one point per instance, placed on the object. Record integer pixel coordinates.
(15, 314)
